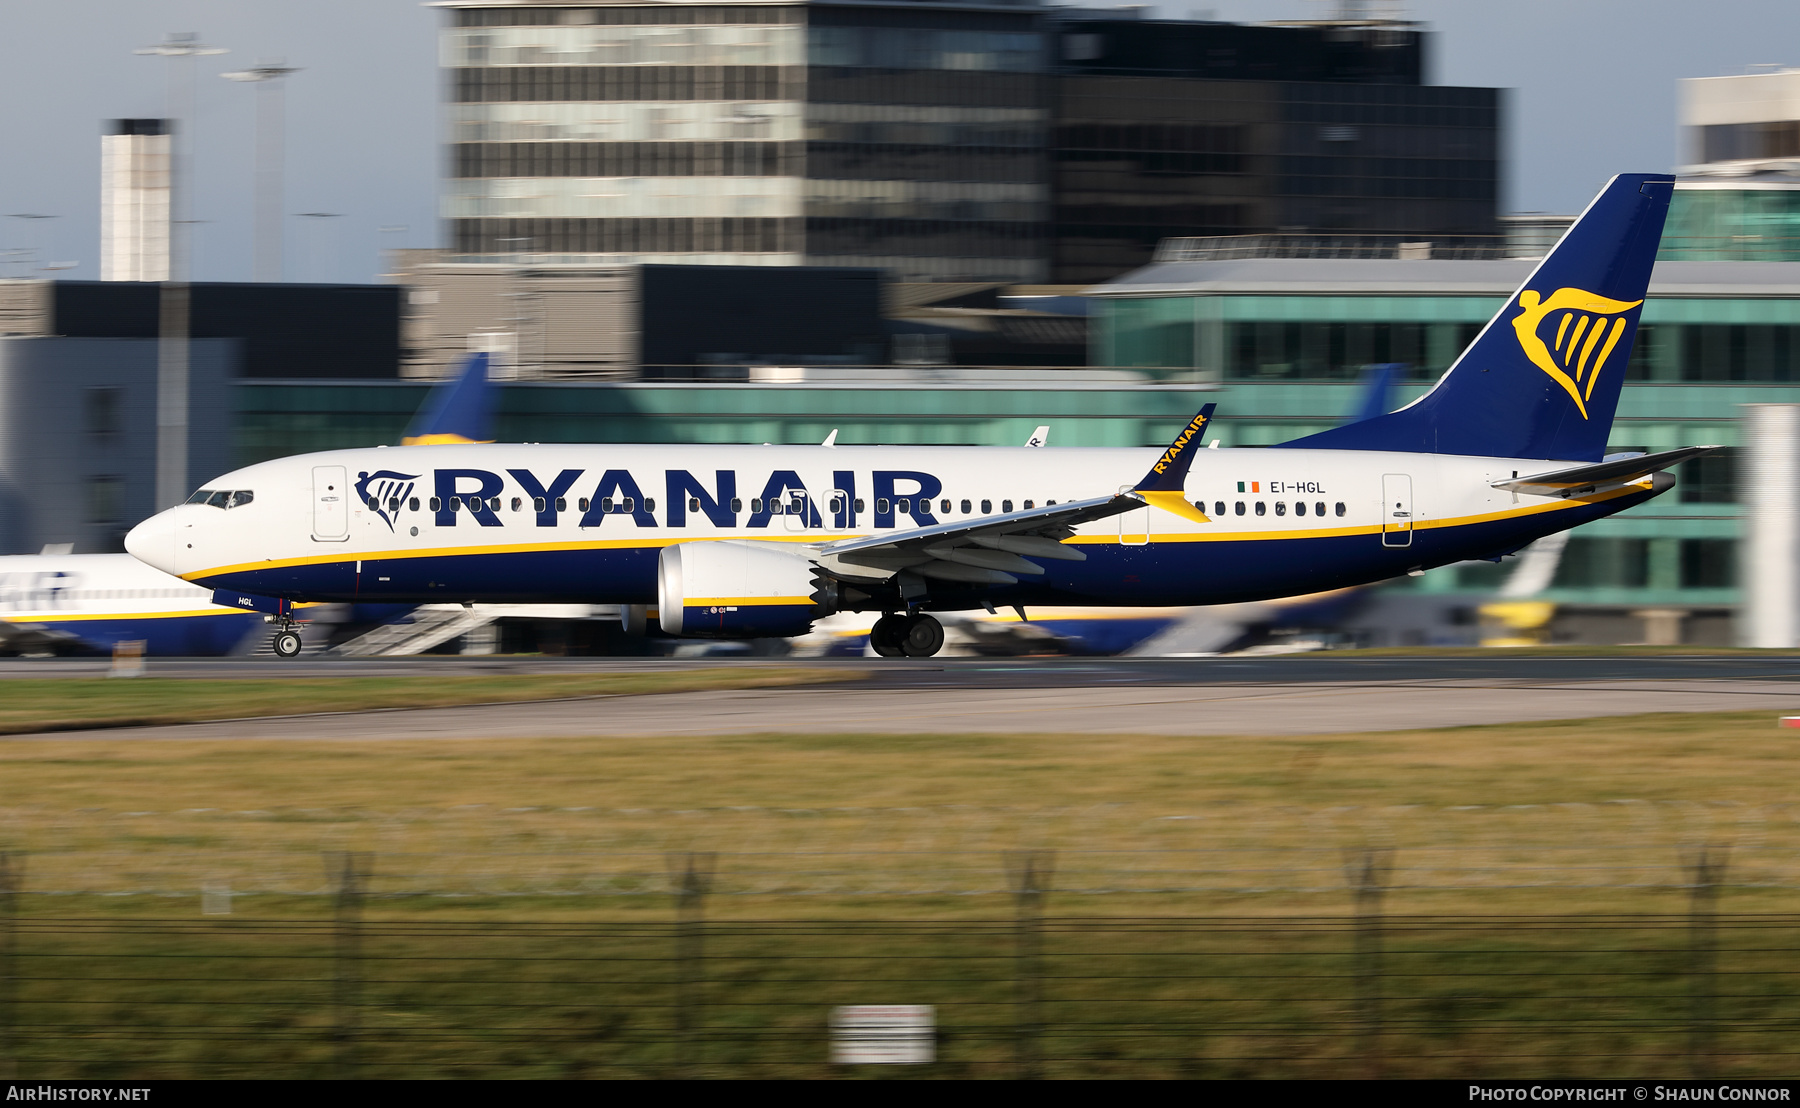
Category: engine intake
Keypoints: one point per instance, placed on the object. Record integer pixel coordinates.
(734, 589)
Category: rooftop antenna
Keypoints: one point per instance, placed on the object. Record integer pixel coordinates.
(178, 47)
(270, 121)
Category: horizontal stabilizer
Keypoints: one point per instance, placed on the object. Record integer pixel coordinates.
(1580, 480)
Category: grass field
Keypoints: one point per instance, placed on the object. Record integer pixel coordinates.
(30, 706)
(1527, 980)
(1621, 797)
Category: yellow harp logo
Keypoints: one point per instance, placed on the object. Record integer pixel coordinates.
(1587, 328)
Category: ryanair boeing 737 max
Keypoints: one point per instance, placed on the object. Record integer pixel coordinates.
(735, 541)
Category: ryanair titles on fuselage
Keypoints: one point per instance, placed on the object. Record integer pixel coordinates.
(445, 494)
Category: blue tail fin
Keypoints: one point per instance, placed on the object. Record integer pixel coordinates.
(1542, 379)
(456, 411)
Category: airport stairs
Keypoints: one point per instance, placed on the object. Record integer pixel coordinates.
(430, 625)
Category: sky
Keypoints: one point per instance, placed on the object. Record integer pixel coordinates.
(1592, 87)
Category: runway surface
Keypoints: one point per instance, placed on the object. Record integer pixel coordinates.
(1287, 695)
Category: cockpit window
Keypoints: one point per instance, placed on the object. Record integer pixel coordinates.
(223, 498)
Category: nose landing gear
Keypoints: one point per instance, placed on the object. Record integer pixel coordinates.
(286, 643)
(910, 636)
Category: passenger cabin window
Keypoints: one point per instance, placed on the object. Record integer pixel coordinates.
(1340, 508)
(436, 504)
(1006, 505)
(1319, 509)
(903, 506)
(649, 504)
(756, 505)
(537, 504)
(967, 507)
(413, 505)
(1219, 508)
(456, 503)
(606, 505)
(881, 506)
(987, 507)
(562, 503)
(1280, 508)
(1261, 509)
(1239, 509)
(944, 507)
(737, 505)
(582, 504)
(693, 503)
(859, 504)
(518, 503)
(1028, 505)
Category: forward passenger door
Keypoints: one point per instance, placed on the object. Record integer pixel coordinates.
(331, 504)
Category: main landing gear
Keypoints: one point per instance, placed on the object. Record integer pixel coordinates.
(907, 636)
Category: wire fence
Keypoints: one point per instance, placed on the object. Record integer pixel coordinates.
(1032, 995)
(482, 850)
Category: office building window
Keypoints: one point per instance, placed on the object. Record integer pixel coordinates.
(105, 499)
(103, 409)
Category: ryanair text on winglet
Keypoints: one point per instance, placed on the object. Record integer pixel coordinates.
(1175, 448)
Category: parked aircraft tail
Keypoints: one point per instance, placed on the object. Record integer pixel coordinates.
(1542, 379)
(459, 411)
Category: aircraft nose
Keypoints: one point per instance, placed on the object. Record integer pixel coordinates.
(153, 541)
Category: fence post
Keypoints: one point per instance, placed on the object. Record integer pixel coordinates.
(691, 873)
(349, 872)
(12, 879)
(1367, 868)
(1705, 867)
(1029, 872)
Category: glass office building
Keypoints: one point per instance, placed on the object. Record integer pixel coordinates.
(1166, 128)
(1283, 340)
(901, 135)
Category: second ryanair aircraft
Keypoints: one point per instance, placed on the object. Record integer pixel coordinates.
(735, 541)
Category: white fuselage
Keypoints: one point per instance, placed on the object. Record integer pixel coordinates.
(97, 600)
(584, 523)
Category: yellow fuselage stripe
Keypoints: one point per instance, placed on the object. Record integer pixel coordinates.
(1078, 540)
(745, 601)
(89, 617)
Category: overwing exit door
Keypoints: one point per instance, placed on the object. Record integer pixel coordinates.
(331, 504)
(1396, 509)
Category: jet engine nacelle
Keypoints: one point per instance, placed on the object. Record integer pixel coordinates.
(736, 590)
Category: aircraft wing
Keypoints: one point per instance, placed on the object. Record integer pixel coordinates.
(984, 550)
(1580, 480)
(995, 549)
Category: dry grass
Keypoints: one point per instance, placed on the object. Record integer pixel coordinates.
(1735, 757)
(524, 815)
(30, 706)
